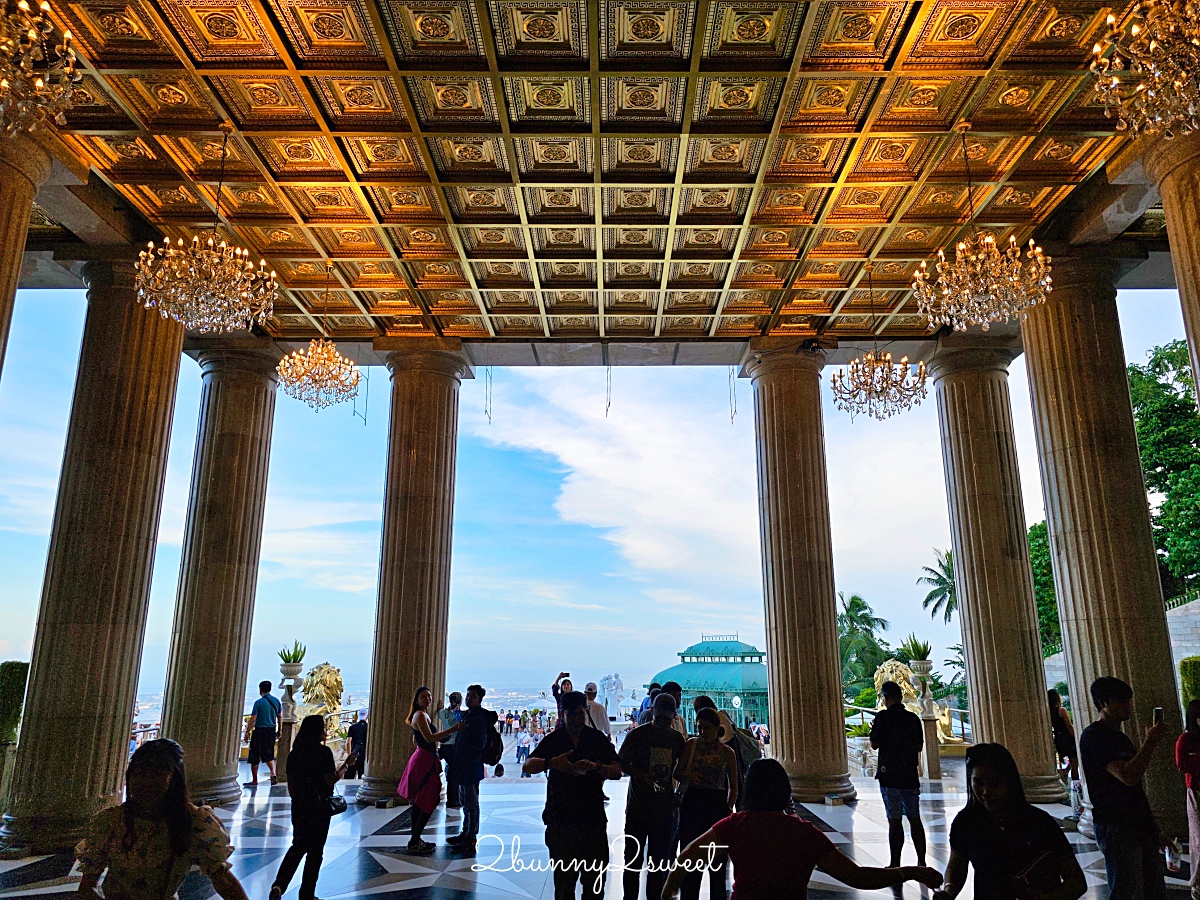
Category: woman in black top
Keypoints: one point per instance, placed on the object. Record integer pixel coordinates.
(311, 777)
(1064, 735)
(1017, 850)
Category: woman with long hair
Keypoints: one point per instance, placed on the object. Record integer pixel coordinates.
(421, 783)
(1018, 851)
(150, 842)
(708, 774)
(311, 776)
(774, 853)
(1064, 736)
(1187, 758)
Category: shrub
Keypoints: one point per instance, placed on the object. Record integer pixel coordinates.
(13, 676)
(916, 649)
(1189, 678)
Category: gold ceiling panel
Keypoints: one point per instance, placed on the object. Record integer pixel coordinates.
(590, 168)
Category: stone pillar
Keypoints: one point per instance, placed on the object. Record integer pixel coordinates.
(218, 574)
(1175, 167)
(803, 663)
(1105, 568)
(24, 165)
(414, 565)
(996, 606)
(88, 644)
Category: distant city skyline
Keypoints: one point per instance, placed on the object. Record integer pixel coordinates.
(587, 541)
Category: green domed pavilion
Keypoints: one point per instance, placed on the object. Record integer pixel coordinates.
(730, 671)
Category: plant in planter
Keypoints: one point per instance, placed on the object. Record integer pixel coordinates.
(922, 667)
(293, 655)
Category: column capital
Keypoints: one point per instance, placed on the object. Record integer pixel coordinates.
(950, 360)
(105, 275)
(25, 156)
(450, 363)
(260, 362)
(768, 357)
(1162, 157)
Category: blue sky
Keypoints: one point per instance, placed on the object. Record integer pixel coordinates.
(582, 541)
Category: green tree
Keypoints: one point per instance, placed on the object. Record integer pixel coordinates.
(941, 579)
(861, 649)
(1163, 392)
(1043, 586)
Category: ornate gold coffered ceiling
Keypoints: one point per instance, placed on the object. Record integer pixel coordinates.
(590, 168)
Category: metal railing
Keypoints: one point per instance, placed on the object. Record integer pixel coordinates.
(962, 715)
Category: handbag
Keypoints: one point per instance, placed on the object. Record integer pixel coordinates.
(1040, 877)
(337, 804)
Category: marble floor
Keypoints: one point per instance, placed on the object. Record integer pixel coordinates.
(365, 854)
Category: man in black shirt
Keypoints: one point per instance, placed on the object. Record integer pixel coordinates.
(578, 759)
(1113, 768)
(648, 755)
(898, 736)
(357, 735)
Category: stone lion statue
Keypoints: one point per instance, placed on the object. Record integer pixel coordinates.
(894, 670)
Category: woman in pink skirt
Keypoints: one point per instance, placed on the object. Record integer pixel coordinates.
(421, 784)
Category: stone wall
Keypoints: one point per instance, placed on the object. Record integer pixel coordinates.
(1183, 622)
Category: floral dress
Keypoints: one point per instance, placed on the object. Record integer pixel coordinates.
(144, 868)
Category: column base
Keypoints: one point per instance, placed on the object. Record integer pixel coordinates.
(223, 791)
(374, 788)
(815, 788)
(41, 835)
(1045, 789)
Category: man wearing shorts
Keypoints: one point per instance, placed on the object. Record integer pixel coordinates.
(261, 733)
(898, 736)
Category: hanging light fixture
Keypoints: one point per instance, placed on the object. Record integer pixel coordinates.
(875, 385)
(33, 87)
(207, 286)
(1163, 50)
(320, 376)
(983, 284)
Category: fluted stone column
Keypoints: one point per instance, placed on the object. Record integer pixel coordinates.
(803, 664)
(24, 165)
(88, 644)
(218, 574)
(1175, 165)
(414, 565)
(994, 584)
(1105, 571)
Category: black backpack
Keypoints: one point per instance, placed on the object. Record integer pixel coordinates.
(493, 749)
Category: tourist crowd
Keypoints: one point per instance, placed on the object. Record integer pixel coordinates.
(696, 802)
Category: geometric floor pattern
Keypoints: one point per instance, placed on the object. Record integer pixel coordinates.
(365, 854)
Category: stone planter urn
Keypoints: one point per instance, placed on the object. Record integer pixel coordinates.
(922, 670)
(287, 721)
(290, 670)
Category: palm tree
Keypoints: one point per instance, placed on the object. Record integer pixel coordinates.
(942, 598)
(858, 641)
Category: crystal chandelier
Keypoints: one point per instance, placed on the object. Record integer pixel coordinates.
(875, 385)
(1163, 49)
(206, 286)
(320, 376)
(33, 88)
(983, 284)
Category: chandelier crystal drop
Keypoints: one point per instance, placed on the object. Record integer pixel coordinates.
(36, 84)
(983, 284)
(874, 385)
(209, 284)
(1162, 52)
(319, 376)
